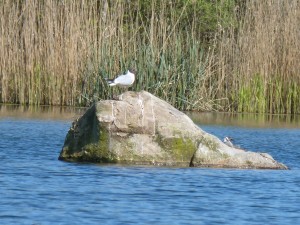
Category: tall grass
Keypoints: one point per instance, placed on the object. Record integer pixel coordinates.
(262, 57)
(197, 55)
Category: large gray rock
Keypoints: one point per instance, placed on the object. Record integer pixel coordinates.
(140, 128)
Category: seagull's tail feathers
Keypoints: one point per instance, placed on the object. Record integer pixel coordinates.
(110, 82)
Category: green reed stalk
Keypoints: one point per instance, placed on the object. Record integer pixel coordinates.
(197, 55)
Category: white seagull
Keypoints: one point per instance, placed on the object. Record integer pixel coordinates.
(124, 80)
(227, 141)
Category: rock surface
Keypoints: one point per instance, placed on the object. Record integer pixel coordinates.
(142, 129)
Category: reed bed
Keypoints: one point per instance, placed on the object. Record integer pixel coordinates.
(197, 55)
(262, 58)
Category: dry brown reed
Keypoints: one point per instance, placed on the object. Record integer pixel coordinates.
(262, 58)
(58, 52)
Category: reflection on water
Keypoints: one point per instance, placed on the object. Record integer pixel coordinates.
(40, 112)
(246, 119)
(203, 118)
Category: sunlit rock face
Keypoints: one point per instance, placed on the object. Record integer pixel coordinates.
(141, 129)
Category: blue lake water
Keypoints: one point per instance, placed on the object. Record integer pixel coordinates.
(36, 188)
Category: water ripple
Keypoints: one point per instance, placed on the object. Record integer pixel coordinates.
(36, 188)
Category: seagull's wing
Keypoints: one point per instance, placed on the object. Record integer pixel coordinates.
(123, 80)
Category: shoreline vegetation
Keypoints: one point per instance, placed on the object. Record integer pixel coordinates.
(227, 55)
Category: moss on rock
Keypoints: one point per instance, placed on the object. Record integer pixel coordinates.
(209, 143)
(179, 148)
